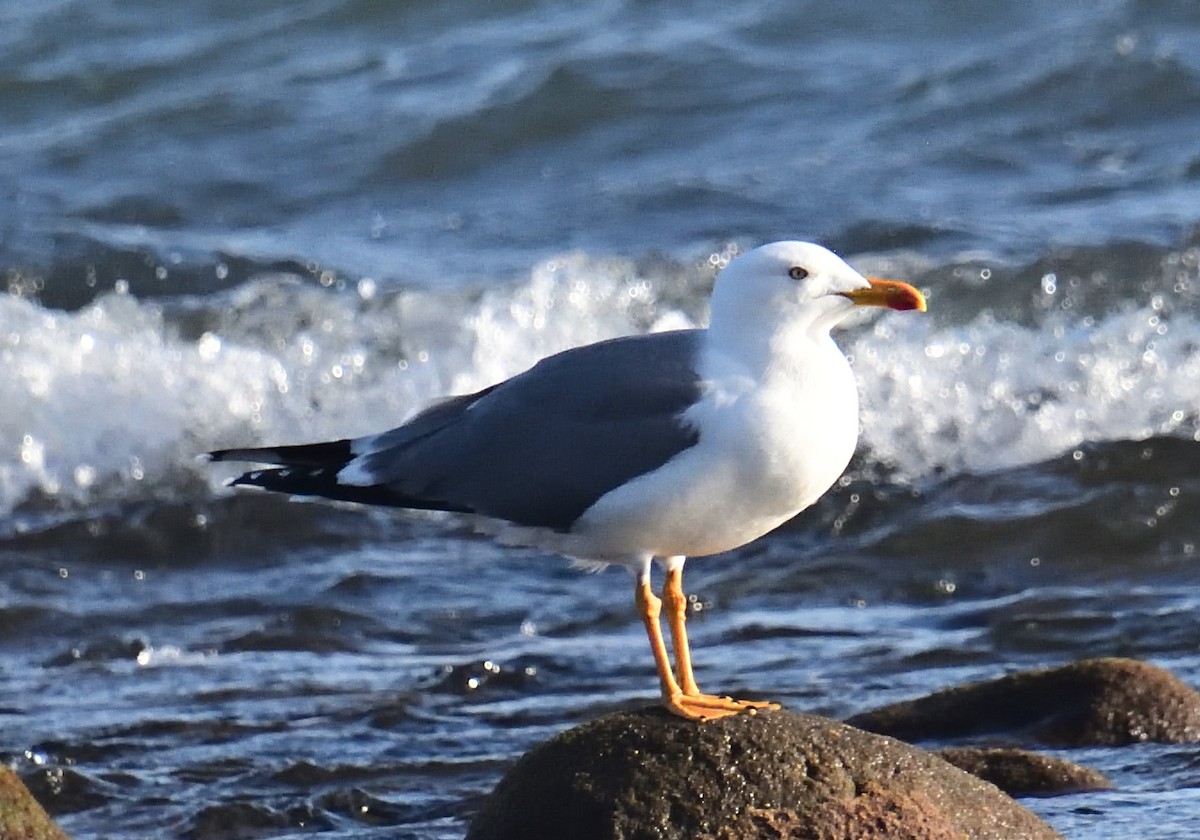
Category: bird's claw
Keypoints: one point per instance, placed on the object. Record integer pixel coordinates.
(708, 707)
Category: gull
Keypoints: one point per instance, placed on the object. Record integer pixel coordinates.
(638, 450)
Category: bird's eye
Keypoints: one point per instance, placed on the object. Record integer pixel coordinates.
(797, 273)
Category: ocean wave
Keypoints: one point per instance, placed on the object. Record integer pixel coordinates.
(113, 401)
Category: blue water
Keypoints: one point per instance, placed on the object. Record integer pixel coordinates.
(232, 224)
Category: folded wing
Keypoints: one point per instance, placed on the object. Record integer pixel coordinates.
(536, 450)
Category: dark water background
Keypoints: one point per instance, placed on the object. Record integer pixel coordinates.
(230, 223)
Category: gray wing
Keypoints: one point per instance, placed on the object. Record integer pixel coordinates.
(542, 447)
(538, 449)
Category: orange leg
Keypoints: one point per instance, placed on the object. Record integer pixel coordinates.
(685, 701)
(676, 603)
(649, 608)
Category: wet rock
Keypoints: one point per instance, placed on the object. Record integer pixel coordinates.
(645, 775)
(245, 820)
(21, 817)
(1093, 702)
(63, 790)
(1020, 772)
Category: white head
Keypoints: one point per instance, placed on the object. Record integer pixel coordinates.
(797, 287)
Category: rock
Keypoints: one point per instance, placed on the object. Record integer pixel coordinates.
(63, 790)
(1093, 702)
(645, 775)
(21, 817)
(1024, 773)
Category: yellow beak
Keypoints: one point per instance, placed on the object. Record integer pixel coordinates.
(890, 293)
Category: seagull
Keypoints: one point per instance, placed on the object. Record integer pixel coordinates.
(638, 450)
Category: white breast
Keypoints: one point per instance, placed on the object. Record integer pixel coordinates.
(769, 447)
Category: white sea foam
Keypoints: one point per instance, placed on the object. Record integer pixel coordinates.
(114, 401)
(993, 394)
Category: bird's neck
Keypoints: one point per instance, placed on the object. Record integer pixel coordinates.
(765, 351)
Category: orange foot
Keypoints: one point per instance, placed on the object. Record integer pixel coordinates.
(706, 707)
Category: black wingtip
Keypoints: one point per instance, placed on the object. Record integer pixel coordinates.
(249, 479)
(333, 453)
(235, 455)
(312, 470)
